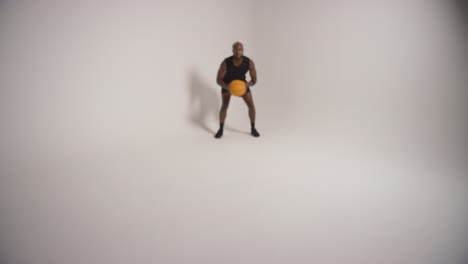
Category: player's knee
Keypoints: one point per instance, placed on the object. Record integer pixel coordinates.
(251, 107)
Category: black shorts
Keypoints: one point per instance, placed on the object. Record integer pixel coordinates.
(226, 91)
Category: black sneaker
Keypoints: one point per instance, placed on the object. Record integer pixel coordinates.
(219, 133)
(254, 132)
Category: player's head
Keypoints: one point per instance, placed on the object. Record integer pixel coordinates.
(237, 49)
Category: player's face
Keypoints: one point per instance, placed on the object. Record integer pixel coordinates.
(238, 51)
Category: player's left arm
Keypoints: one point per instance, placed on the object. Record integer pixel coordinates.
(253, 74)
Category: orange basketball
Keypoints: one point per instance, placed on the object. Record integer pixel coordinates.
(237, 87)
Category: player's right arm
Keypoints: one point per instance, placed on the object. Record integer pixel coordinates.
(221, 73)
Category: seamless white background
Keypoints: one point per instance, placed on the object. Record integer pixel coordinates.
(108, 110)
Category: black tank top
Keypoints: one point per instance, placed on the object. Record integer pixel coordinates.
(236, 73)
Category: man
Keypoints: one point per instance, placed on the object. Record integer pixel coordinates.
(234, 68)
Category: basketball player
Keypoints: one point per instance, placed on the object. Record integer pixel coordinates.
(234, 68)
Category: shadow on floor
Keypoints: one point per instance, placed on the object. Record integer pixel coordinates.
(205, 102)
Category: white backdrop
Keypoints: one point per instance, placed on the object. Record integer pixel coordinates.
(108, 110)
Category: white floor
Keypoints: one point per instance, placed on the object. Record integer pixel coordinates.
(240, 199)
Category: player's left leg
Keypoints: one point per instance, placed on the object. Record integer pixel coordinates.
(250, 104)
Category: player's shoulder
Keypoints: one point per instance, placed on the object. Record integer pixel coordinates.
(251, 62)
(225, 61)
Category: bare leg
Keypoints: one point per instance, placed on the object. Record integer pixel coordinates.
(224, 107)
(249, 101)
(250, 104)
(226, 97)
